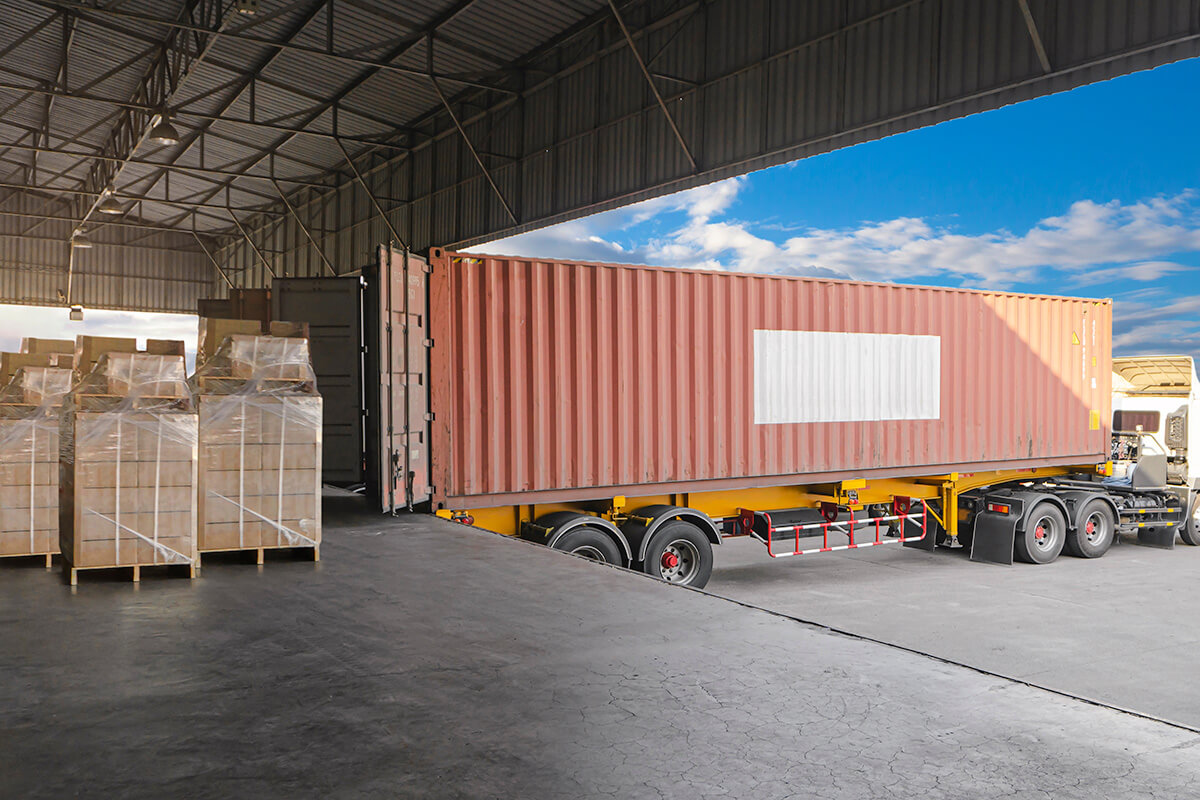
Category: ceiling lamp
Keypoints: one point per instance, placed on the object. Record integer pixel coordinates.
(78, 239)
(163, 132)
(109, 205)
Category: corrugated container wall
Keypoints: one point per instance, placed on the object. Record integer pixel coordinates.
(554, 381)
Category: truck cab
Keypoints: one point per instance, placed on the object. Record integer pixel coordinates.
(1154, 442)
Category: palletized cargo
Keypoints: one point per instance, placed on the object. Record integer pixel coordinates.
(30, 407)
(260, 446)
(129, 466)
(559, 380)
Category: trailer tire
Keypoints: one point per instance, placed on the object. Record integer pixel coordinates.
(1044, 535)
(592, 544)
(1097, 528)
(1189, 531)
(679, 552)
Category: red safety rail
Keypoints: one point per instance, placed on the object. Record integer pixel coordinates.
(902, 512)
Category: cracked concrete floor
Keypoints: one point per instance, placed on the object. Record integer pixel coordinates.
(426, 660)
(1121, 630)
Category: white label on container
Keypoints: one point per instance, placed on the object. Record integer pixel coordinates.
(821, 376)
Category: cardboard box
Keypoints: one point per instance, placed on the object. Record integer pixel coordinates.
(215, 331)
(43, 384)
(31, 344)
(88, 350)
(29, 484)
(147, 375)
(11, 362)
(128, 494)
(270, 357)
(259, 473)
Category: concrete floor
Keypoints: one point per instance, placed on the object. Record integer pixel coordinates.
(426, 660)
(1123, 630)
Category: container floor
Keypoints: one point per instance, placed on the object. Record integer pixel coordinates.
(420, 659)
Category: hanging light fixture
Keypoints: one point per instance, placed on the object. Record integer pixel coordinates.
(163, 131)
(78, 239)
(109, 205)
(76, 314)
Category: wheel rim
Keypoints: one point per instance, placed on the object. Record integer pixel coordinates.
(679, 562)
(590, 552)
(1196, 515)
(1044, 533)
(1096, 527)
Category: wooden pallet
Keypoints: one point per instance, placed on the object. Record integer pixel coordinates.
(110, 402)
(261, 551)
(222, 385)
(72, 572)
(49, 557)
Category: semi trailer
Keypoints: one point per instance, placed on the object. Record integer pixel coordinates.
(642, 415)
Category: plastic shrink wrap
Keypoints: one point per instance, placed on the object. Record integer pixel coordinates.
(260, 446)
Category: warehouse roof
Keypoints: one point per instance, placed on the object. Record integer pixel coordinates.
(236, 141)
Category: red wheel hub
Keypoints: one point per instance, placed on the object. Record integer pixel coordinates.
(1039, 532)
(670, 561)
(1091, 527)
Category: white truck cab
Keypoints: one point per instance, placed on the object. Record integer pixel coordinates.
(1154, 402)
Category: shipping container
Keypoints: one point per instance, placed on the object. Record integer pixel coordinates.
(641, 415)
(555, 380)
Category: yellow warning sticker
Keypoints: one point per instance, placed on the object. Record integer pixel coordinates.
(1074, 337)
(1094, 419)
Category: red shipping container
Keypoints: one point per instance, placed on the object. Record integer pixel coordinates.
(554, 381)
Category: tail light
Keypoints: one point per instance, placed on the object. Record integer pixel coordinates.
(999, 508)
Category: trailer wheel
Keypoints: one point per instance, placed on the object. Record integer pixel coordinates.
(679, 552)
(1097, 527)
(1189, 531)
(1044, 535)
(590, 543)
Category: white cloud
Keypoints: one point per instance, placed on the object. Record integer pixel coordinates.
(1133, 238)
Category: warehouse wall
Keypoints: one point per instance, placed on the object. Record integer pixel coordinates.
(750, 83)
(128, 268)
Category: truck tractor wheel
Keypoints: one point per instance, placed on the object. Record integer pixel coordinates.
(1094, 536)
(1044, 535)
(679, 552)
(591, 544)
(1189, 531)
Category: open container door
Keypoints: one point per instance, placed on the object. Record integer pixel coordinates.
(398, 357)
(332, 307)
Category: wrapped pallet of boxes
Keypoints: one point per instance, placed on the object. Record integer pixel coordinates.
(260, 446)
(30, 406)
(128, 448)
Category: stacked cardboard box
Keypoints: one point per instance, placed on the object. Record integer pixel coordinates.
(11, 362)
(31, 344)
(88, 350)
(214, 332)
(260, 446)
(129, 436)
(30, 406)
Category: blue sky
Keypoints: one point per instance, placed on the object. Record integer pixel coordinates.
(1093, 192)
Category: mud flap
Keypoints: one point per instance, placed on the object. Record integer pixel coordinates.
(1158, 536)
(995, 535)
(913, 528)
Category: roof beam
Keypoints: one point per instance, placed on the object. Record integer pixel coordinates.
(178, 112)
(142, 162)
(1038, 45)
(317, 52)
(687, 151)
(162, 82)
(95, 196)
(358, 80)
